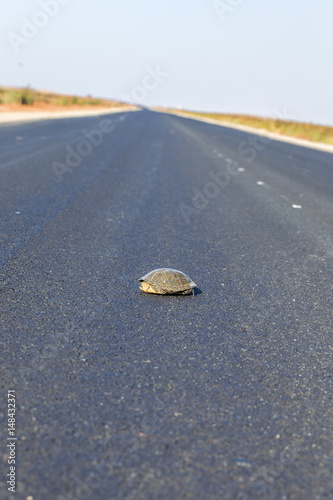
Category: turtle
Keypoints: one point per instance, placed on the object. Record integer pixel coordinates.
(167, 281)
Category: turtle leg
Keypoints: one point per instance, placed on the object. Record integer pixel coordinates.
(147, 287)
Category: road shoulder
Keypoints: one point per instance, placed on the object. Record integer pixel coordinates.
(277, 137)
(23, 116)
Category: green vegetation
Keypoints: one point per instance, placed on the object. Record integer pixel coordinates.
(307, 131)
(17, 96)
(28, 96)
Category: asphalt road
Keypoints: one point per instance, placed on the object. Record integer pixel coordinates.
(125, 395)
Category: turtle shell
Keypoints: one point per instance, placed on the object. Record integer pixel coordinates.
(166, 280)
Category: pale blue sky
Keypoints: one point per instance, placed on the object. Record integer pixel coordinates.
(247, 56)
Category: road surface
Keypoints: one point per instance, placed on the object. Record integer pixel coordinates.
(126, 395)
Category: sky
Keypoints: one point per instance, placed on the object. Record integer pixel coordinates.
(230, 56)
